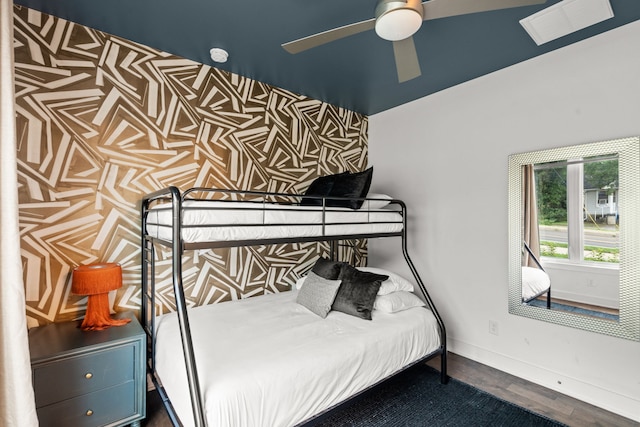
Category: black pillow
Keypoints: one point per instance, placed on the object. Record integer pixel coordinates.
(320, 187)
(354, 185)
(357, 292)
(327, 269)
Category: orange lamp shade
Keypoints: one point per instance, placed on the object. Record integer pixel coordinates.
(96, 280)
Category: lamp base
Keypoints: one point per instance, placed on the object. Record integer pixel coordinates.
(97, 316)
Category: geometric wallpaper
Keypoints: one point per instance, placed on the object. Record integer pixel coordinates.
(102, 120)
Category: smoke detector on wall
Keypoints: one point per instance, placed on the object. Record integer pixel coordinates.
(564, 18)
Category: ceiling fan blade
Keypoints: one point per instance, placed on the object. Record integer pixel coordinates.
(434, 9)
(297, 46)
(407, 63)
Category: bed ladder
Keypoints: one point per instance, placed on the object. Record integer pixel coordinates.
(148, 305)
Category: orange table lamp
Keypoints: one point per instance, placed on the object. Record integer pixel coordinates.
(96, 280)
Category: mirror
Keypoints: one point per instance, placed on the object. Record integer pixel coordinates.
(576, 191)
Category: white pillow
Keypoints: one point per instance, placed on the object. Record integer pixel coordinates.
(392, 284)
(397, 301)
(300, 282)
(376, 204)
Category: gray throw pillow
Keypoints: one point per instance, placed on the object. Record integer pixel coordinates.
(317, 294)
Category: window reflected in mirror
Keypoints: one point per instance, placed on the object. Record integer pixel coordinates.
(571, 229)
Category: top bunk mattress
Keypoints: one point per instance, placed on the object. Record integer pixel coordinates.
(268, 361)
(212, 221)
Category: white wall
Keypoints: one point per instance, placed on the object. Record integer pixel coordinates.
(447, 153)
(588, 284)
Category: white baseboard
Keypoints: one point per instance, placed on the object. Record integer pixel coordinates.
(589, 299)
(610, 400)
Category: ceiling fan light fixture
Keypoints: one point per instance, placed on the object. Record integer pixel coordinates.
(398, 20)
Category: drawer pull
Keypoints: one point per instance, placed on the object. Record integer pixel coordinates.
(89, 412)
(88, 375)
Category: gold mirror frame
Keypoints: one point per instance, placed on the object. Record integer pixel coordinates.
(628, 150)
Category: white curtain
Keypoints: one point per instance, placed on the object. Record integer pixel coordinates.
(17, 407)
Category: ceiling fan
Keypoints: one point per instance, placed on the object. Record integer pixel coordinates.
(398, 20)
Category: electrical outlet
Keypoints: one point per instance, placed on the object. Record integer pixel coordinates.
(493, 327)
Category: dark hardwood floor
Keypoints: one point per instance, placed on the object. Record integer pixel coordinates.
(538, 399)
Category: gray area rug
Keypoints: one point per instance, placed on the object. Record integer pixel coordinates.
(416, 398)
(576, 310)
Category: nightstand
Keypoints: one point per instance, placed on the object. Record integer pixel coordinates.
(89, 378)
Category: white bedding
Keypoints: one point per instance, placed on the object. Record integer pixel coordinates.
(268, 361)
(280, 221)
(534, 282)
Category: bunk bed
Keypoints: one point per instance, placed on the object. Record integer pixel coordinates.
(191, 381)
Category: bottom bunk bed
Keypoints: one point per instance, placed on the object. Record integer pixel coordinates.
(269, 361)
(278, 359)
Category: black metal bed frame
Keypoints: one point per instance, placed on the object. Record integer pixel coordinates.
(178, 246)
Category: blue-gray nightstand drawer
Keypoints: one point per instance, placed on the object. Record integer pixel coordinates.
(89, 378)
(83, 374)
(94, 409)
